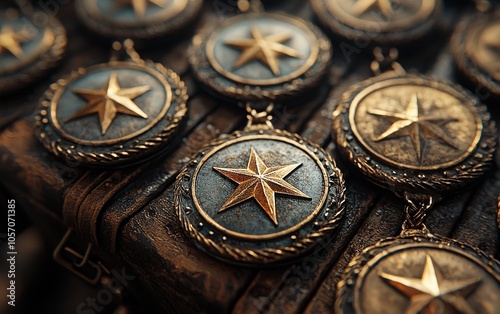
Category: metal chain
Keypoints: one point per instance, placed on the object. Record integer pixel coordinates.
(416, 209)
(126, 47)
(259, 119)
(385, 60)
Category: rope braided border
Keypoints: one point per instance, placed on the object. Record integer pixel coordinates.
(344, 295)
(436, 181)
(205, 73)
(137, 150)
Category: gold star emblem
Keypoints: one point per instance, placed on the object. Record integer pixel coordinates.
(110, 100)
(11, 40)
(415, 124)
(261, 183)
(267, 49)
(140, 6)
(362, 6)
(424, 292)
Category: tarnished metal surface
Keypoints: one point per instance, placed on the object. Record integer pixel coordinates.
(419, 273)
(113, 113)
(137, 19)
(27, 50)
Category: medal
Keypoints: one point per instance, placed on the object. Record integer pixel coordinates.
(260, 56)
(476, 48)
(422, 139)
(137, 19)
(112, 114)
(259, 196)
(420, 273)
(28, 48)
(378, 22)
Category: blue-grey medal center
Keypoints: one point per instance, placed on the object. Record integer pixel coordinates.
(287, 40)
(116, 113)
(150, 103)
(27, 50)
(261, 56)
(257, 198)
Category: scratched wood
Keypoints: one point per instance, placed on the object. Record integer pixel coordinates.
(129, 214)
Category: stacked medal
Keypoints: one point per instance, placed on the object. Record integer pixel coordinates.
(260, 196)
(421, 138)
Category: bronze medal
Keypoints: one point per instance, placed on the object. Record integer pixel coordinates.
(27, 51)
(260, 196)
(420, 273)
(260, 57)
(413, 133)
(137, 19)
(378, 22)
(476, 48)
(112, 114)
(420, 138)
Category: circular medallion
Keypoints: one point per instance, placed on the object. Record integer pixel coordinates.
(414, 134)
(378, 22)
(28, 51)
(476, 48)
(419, 274)
(113, 113)
(260, 56)
(137, 19)
(259, 197)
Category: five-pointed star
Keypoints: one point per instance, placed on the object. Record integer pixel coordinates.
(361, 6)
(140, 6)
(431, 287)
(261, 183)
(415, 124)
(267, 49)
(110, 100)
(10, 40)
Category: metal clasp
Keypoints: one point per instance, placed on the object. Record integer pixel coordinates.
(384, 60)
(78, 264)
(259, 119)
(416, 209)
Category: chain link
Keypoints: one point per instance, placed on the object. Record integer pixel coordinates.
(385, 60)
(416, 209)
(126, 47)
(259, 119)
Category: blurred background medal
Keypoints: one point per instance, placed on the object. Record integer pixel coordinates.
(137, 19)
(31, 44)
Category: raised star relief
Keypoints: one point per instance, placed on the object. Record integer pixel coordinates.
(384, 6)
(261, 183)
(415, 124)
(110, 100)
(140, 6)
(424, 292)
(266, 49)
